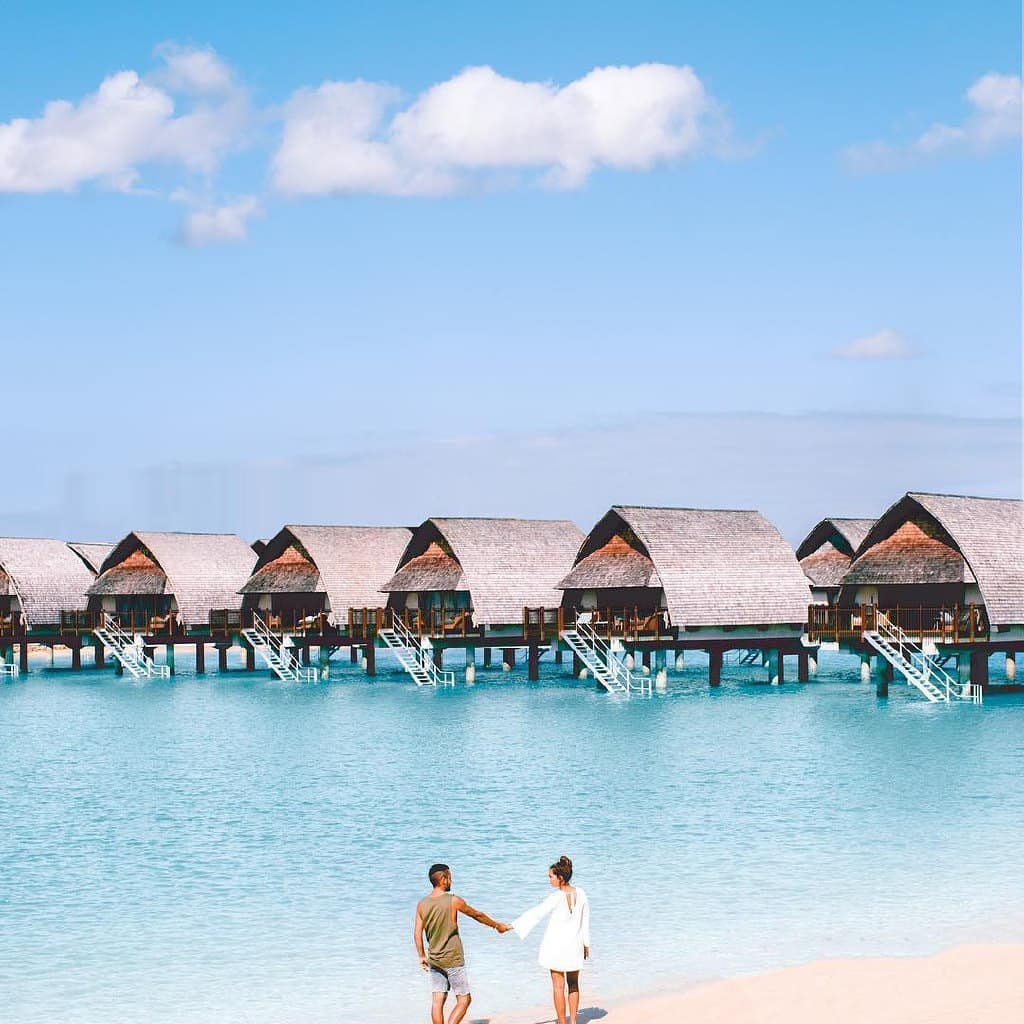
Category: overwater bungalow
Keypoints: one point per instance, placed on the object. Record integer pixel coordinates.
(170, 587)
(946, 570)
(43, 584)
(826, 552)
(319, 580)
(671, 579)
(466, 582)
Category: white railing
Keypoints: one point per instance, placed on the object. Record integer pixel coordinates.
(279, 658)
(929, 673)
(418, 662)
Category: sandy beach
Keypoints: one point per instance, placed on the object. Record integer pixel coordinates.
(976, 984)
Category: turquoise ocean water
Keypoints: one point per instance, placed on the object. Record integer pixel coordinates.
(237, 850)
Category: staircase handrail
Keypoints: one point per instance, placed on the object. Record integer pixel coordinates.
(409, 640)
(114, 628)
(604, 651)
(892, 632)
(262, 630)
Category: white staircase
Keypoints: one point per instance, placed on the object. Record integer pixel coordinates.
(918, 666)
(276, 656)
(415, 656)
(128, 650)
(9, 668)
(601, 657)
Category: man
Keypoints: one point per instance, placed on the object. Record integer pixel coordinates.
(437, 915)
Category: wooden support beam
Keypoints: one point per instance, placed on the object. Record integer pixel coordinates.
(646, 656)
(250, 658)
(222, 659)
(371, 659)
(305, 654)
(76, 655)
(979, 668)
(558, 653)
(533, 663)
(23, 656)
(487, 657)
(200, 659)
(577, 665)
(882, 684)
(439, 657)
(803, 667)
(715, 666)
(169, 656)
(98, 654)
(508, 657)
(353, 654)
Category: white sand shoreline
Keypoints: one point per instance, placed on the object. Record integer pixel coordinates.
(966, 984)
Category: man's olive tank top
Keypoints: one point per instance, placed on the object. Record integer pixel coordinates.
(443, 941)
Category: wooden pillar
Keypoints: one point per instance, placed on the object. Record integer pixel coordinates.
(23, 656)
(487, 657)
(533, 663)
(250, 658)
(200, 659)
(715, 666)
(776, 667)
(324, 658)
(353, 654)
(865, 666)
(76, 655)
(577, 664)
(438, 656)
(149, 651)
(508, 657)
(963, 667)
(222, 659)
(305, 654)
(803, 668)
(979, 667)
(646, 658)
(169, 656)
(558, 654)
(881, 685)
(98, 654)
(371, 659)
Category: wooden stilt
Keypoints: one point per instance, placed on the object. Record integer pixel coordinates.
(439, 657)
(98, 654)
(558, 655)
(882, 684)
(803, 667)
(222, 659)
(305, 654)
(487, 657)
(353, 654)
(169, 656)
(508, 657)
(533, 663)
(715, 666)
(23, 656)
(371, 660)
(577, 664)
(979, 668)
(200, 659)
(76, 656)
(646, 656)
(250, 658)
(325, 661)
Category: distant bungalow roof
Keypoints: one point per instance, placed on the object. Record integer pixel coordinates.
(203, 571)
(987, 532)
(717, 567)
(506, 564)
(92, 554)
(47, 576)
(347, 563)
(826, 552)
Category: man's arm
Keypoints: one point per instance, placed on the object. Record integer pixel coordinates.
(460, 906)
(417, 937)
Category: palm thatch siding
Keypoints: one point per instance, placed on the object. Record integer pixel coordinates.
(987, 535)
(506, 565)
(827, 551)
(717, 567)
(203, 571)
(347, 564)
(617, 564)
(46, 576)
(917, 552)
(92, 554)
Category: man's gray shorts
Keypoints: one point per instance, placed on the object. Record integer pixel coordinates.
(449, 979)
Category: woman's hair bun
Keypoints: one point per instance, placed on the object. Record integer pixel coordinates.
(563, 869)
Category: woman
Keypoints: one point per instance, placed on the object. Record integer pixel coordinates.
(566, 942)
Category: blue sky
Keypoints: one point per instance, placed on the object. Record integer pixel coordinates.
(817, 213)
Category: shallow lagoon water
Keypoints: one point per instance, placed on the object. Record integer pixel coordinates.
(230, 848)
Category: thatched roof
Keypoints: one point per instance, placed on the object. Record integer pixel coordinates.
(347, 563)
(435, 569)
(826, 552)
(46, 575)
(987, 532)
(616, 564)
(717, 567)
(92, 554)
(506, 564)
(202, 570)
(918, 551)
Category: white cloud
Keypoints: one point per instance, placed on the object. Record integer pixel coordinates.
(883, 344)
(129, 121)
(344, 137)
(995, 118)
(227, 223)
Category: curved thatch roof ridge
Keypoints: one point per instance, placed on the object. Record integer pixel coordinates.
(990, 535)
(507, 564)
(353, 561)
(849, 533)
(204, 570)
(615, 564)
(92, 554)
(47, 575)
(721, 567)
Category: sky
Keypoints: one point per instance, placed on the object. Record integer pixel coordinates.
(371, 263)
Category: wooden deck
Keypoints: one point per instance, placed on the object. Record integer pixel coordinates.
(955, 625)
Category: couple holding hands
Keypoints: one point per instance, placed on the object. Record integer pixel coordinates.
(566, 942)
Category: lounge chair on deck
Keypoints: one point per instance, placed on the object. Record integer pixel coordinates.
(456, 625)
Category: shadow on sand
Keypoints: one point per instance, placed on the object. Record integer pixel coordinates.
(591, 1013)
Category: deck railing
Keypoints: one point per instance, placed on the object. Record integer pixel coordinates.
(541, 625)
(959, 624)
(293, 621)
(12, 624)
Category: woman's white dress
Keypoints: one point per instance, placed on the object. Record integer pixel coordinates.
(568, 931)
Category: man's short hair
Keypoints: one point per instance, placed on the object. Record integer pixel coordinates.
(437, 872)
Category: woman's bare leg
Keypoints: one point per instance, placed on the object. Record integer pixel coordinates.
(572, 979)
(558, 995)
